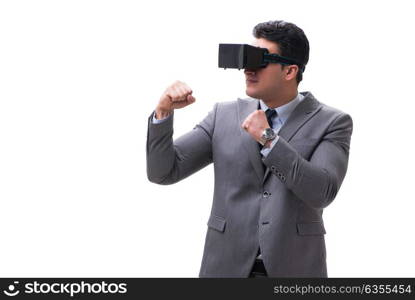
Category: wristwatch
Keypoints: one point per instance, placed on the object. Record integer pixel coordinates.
(267, 135)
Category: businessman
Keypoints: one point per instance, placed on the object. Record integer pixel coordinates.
(279, 159)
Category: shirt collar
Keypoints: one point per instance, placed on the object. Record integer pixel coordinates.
(285, 110)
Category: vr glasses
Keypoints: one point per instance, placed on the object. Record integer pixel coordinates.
(243, 56)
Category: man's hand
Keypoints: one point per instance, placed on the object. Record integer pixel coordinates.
(177, 95)
(255, 124)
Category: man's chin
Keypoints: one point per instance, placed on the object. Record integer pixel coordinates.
(251, 93)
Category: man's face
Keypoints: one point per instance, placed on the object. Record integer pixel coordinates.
(264, 82)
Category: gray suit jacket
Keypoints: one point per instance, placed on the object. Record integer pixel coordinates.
(274, 203)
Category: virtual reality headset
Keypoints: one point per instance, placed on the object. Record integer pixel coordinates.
(243, 56)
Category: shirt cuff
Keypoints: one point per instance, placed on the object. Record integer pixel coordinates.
(158, 121)
(266, 151)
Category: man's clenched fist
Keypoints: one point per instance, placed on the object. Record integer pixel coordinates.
(177, 95)
(255, 124)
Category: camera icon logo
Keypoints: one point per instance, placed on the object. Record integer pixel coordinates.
(12, 291)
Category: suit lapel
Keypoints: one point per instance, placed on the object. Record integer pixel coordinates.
(301, 114)
(245, 107)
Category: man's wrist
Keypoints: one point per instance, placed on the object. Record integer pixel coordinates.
(268, 143)
(162, 114)
(265, 151)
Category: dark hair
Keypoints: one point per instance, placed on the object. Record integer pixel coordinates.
(291, 41)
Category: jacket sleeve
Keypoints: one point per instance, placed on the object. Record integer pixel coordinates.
(170, 161)
(317, 181)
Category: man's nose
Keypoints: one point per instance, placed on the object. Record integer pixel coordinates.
(249, 72)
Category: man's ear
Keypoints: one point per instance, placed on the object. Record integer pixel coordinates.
(291, 72)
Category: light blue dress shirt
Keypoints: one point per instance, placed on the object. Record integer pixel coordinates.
(283, 112)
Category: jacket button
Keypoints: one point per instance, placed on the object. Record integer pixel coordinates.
(266, 194)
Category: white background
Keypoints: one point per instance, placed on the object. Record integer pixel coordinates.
(78, 80)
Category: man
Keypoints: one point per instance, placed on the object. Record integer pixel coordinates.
(270, 189)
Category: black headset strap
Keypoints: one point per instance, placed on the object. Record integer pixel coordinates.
(275, 58)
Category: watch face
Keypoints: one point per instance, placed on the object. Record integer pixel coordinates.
(269, 133)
